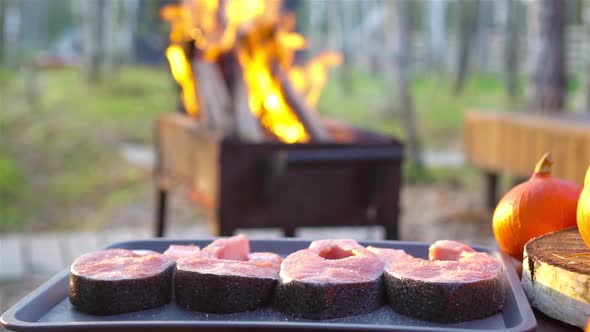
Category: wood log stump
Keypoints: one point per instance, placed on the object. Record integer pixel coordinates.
(556, 276)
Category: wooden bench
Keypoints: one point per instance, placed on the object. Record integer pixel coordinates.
(512, 142)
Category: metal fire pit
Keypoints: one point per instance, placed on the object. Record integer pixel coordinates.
(354, 182)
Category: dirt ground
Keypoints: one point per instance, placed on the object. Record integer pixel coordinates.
(430, 213)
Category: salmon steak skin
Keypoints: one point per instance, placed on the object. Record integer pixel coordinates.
(115, 281)
(225, 277)
(456, 284)
(330, 279)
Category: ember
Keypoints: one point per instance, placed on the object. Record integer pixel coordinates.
(258, 41)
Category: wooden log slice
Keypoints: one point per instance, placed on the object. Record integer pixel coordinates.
(556, 276)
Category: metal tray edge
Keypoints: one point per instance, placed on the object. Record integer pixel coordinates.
(529, 322)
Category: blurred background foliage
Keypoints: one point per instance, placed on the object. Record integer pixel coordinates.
(82, 79)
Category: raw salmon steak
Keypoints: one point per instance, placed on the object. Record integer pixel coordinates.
(117, 280)
(225, 277)
(457, 284)
(176, 251)
(330, 279)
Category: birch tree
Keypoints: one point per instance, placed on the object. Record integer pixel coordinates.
(550, 73)
(587, 41)
(110, 26)
(346, 10)
(90, 16)
(437, 38)
(532, 46)
(2, 14)
(12, 32)
(400, 10)
(512, 40)
(468, 18)
(483, 22)
(316, 18)
(127, 31)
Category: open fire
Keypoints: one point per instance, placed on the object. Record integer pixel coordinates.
(234, 61)
(245, 96)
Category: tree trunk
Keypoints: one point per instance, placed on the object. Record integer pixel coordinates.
(512, 40)
(316, 28)
(532, 46)
(405, 102)
(12, 33)
(346, 69)
(91, 13)
(110, 35)
(384, 59)
(485, 13)
(468, 11)
(587, 39)
(437, 38)
(300, 10)
(550, 73)
(127, 32)
(2, 14)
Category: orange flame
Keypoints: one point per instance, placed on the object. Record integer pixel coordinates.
(311, 79)
(263, 41)
(182, 73)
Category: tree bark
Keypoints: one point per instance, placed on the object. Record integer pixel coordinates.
(300, 10)
(127, 32)
(110, 35)
(12, 33)
(532, 46)
(587, 39)
(384, 63)
(91, 13)
(469, 15)
(437, 38)
(316, 20)
(485, 13)
(512, 40)
(405, 101)
(346, 23)
(2, 14)
(550, 73)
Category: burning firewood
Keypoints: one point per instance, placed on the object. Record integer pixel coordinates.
(246, 125)
(213, 96)
(308, 118)
(243, 69)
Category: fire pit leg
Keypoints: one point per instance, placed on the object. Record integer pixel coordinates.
(161, 198)
(491, 190)
(391, 231)
(223, 227)
(289, 231)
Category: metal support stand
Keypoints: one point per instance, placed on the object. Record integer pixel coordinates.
(491, 190)
(289, 231)
(161, 200)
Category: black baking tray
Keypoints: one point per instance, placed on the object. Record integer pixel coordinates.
(48, 308)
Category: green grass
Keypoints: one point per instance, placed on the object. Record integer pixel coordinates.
(59, 155)
(364, 105)
(440, 112)
(125, 103)
(371, 104)
(13, 190)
